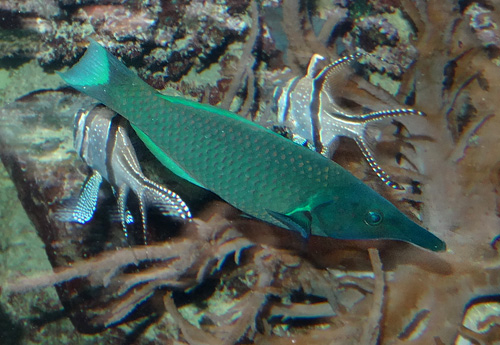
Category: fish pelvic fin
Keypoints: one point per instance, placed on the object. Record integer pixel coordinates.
(122, 208)
(298, 221)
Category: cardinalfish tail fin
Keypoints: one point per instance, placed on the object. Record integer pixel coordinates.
(368, 138)
(365, 145)
(102, 76)
(165, 200)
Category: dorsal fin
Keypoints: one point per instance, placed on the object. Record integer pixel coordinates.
(331, 85)
(314, 66)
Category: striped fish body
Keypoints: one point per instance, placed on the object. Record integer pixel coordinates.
(293, 101)
(101, 139)
(306, 107)
(261, 173)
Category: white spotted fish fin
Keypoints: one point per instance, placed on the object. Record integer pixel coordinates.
(84, 208)
(334, 121)
(367, 140)
(117, 217)
(168, 202)
(334, 75)
(122, 207)
(365, 144)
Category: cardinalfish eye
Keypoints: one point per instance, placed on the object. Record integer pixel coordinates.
(373, 218)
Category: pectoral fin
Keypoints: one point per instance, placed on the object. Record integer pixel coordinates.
(299, 221)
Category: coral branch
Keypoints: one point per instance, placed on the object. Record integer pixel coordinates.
(245, 65)
(371, 331)
(193, 335)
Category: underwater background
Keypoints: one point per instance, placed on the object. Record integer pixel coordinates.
(226, 279)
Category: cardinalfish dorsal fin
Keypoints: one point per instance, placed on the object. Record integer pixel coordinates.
(102, 140)
(306, 106)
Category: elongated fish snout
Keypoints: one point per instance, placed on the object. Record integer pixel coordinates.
(414, 233)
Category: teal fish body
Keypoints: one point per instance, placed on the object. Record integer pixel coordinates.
(263, 174)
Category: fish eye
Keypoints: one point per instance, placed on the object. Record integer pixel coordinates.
(373, 218)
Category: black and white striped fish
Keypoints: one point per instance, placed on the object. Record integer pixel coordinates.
(306, 107)
(102, 141)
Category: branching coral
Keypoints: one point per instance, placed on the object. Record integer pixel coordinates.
(173, 263)
(185, 262)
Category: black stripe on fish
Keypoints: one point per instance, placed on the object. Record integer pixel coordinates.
(110, 147)
(315, 110)
(316, 99)
(83, 121)
(286, 93)
(319, 79)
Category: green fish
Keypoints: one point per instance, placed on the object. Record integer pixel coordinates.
(254, 169)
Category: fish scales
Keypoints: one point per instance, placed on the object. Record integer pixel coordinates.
(256, 170)
(220, 153)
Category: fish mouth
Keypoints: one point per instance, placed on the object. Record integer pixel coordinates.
(421, 237)
(432, 242)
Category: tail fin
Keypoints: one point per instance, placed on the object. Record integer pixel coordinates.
(167, 201)
(367, 139)
(101, 75)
